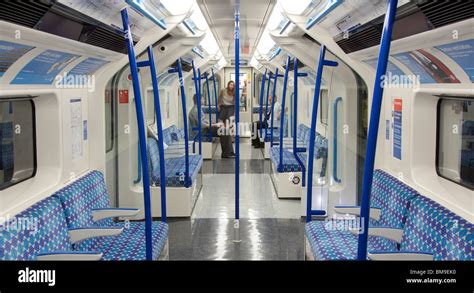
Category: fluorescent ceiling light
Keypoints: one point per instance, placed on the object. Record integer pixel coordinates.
(176, 7)
(294, 6)
(198, 18)
(275, 18)
(222, 62)
(209, 44)
(254, 62)
(265, 44)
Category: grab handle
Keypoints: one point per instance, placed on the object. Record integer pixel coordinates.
(334, 162)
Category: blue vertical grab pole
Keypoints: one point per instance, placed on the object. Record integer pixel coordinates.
(179, 70)
(296, 150)
(159, 129)
(198, 98)
(374, 127)
(319, 75)
(209, 105)
(237, 118)
(141, 133)
(273, 106)
(282, 117)
(215, 93)
(262, 92)
(266, 104)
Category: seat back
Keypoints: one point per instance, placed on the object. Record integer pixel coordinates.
(303, 133)
(320, 146)
(432, 228)
(153, 160)
(40, 228)
(393, 197)
(79, 198)
(167, 134)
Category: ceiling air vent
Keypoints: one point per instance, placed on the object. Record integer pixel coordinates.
(292, 65)
(25, 13)
(368, 37)
(106, 39)
(186, 65)
(440, 13)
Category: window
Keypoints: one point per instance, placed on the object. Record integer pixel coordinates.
(17, 142)
(455, 146)
(323, 104)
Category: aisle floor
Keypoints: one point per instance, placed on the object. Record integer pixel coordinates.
(270, 228)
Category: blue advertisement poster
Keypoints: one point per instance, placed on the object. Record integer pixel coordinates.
(392, 69)
(87, 67)
(410, 62)
(463, 54)
(10, 53)
(44, 68)
(397, 128)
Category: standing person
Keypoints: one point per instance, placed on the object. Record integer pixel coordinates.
(226, 106)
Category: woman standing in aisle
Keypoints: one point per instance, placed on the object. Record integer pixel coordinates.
(226, 106)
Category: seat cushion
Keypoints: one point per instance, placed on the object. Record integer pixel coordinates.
(39, 229)
(390, 195)
(290, 164)
(174, 170)
(130, 244)
(432, 228)
(332, 241)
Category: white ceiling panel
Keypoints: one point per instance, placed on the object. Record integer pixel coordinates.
(254, 15)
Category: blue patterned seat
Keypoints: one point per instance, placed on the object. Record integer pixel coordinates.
(174, 167)
(256, 110)
(290, 164)
(168, 133)
(432, 228)
(388, 194)
(468, 127)
(90, 192)
(328, 242)
(467, 158)
(205, 109)
(42, 228)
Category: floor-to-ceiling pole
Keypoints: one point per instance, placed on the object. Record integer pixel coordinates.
(374, 128)
(237, 112)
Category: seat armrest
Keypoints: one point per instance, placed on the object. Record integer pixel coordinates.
(99, 214)
(394, 234)
(70, 255)
(400, 255)
(355, 210)
(78, 234)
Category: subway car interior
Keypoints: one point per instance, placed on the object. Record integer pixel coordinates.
(308, 130)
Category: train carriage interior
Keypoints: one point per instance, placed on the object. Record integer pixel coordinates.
(304, 130)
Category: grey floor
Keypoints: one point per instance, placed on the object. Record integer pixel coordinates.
(270, 228)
